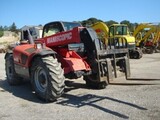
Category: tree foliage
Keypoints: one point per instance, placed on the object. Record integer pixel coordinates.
(84, 23)
(1, 33)
(93, 20)
(110, 22)
(13, 27)
(1, 28)
(5, 28)
(90, 21)
(130, 25)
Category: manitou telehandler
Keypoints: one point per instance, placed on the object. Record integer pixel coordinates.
(66, 50)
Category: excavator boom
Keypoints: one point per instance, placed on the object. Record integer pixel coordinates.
(147, 37)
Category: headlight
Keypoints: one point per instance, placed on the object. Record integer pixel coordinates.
(131, 43)
(38, 46)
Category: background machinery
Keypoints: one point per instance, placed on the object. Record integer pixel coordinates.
(118, 31)
(147, 37)
(66, 50)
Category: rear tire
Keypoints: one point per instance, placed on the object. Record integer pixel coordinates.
(12, 77)
(47, 78)
(91, 82)
(135, 54)
(149, 50)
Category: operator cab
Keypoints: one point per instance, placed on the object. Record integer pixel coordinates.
(53, 28)
(118, 30)
(56, 27)
(30, 33)
(25, 36)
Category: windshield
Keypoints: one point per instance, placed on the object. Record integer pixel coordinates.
(121, 30)
(70, 25)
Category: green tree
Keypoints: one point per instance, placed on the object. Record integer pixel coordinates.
(40, 25)
(90, 21)
(125, 22)
(110, 22)
(130, 25)
(84, 23)
(1, 27)
(5, 28)
(1, 33)
(13, 27)
(134, 25)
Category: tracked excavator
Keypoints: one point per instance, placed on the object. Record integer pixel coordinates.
(118, 31)
(66, 50)
(147, 37)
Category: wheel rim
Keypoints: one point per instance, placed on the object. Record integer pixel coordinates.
(40, 78)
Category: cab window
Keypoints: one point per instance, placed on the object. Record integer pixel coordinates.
(52, 29)
(121, 30)
(111, 31)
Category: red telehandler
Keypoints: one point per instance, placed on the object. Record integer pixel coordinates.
(66, 50)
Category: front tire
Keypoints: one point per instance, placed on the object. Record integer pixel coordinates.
(47, 78)
(12, 77)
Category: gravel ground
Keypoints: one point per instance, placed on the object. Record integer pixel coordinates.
(137, 101)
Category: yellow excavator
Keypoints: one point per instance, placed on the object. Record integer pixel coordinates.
(117, 31)
(147, 37)
(142, 32)
(156, 40)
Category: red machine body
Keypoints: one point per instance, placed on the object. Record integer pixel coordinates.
(62, 38)
(70, 60)
(23, 56)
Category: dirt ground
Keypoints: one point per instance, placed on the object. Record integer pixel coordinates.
(8, 39)
(134, 99)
